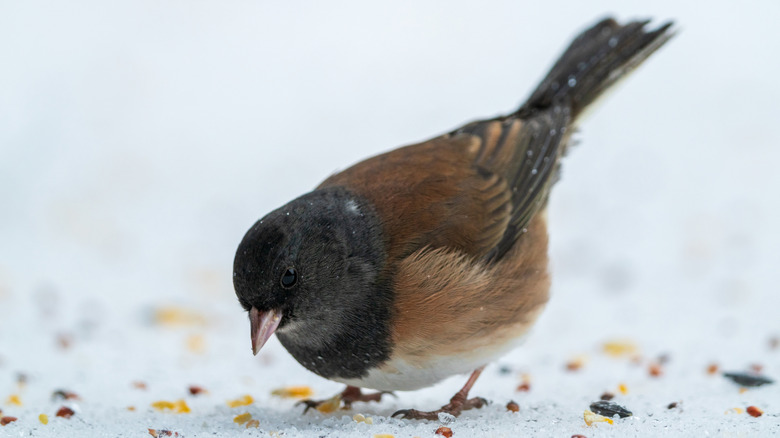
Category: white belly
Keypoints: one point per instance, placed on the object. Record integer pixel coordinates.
(398, 374)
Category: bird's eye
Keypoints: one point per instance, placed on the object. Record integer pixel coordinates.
(289, 278)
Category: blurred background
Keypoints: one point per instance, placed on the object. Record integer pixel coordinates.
(139, 140)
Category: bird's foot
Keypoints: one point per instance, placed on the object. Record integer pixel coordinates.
(457, 404)
(342, 400)
(353, 394)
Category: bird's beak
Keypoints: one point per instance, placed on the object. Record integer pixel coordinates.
(263, 325)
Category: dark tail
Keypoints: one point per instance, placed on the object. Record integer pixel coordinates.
(594, 61)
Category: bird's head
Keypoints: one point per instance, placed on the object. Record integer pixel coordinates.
(299, 267)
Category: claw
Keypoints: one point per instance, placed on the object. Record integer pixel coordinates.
(414, 414)
(457, 404)
(455, 407)
(343, 400)
(309, 404)
(401, 413)
(478, 402)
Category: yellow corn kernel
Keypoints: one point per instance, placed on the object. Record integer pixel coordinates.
(300, 391)
(163, 405)
(245, 400)
(179, 406)
(243, 418)
(14, 399)
(173, 316)
(592, 417)
(330, 405)
(196, 344)
(620, 347)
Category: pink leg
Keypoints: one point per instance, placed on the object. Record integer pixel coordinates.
(458, 403)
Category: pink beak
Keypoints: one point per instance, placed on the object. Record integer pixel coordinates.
(263, 325)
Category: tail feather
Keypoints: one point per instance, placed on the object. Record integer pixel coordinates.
(595, 60)
(538, 134)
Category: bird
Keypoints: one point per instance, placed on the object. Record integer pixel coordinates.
(429, 260)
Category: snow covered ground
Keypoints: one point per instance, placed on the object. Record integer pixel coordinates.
(140, 139)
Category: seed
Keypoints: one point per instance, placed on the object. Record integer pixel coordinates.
(591, 418)
(609, 409)
(444, 431)
(245, 400)
(754, 411)
(300, 391)
(748, 379)
(196, 390)
(243, 418)
(65, 412)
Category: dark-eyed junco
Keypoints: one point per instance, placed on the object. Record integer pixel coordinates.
(429, 260)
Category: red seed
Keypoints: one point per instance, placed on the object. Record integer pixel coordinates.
(754, 411)
(444, 431)
(575, 364)
(65, 412)
(578, 436)
(655, 370)
(712, 368)
(756, 368)
(512, 406)
(139, 385)
(607, 396)
(196, 390)
(7, 420)
(64, 340)
(524, 387)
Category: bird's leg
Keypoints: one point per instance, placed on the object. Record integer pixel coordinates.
(353, 394)
(458, 403)
(344, 399)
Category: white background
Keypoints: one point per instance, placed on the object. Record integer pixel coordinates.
(140, 139)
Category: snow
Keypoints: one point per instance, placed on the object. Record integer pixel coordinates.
(140, 140)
